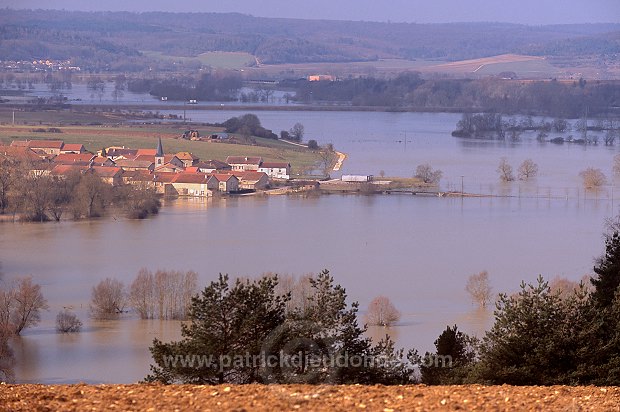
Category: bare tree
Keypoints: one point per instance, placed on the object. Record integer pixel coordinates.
(505, 170)
(382, 312)
(565, 287)
(479, 288)
(593, 178)
(142, 294)
(616, 166)
(91, 195)
(7, 179)
(6, 355)
(108, 299)
(29, 302)
(300, 289)
(163, 294)
(68, 322)
(327, 158)
(527, 170)
(7, 304)
(426, 173)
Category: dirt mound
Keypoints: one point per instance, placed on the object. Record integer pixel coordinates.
(158, 398)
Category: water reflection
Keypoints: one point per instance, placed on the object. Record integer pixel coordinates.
(417, 251)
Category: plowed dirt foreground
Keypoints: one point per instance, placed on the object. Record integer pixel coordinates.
(305, 398)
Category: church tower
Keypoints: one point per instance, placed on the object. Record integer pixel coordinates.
(159, 155)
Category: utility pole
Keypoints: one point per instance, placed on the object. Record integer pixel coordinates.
(462, 191)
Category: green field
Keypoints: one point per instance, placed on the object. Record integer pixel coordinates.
(227, 60)
(215, 59)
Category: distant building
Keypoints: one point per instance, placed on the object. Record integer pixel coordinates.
(73, 148)
(244, 163)
(223, 183)
(187, 158)
(321, 78)
(50, 147)
(276, 170)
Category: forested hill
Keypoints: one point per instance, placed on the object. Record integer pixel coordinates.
(117, 40)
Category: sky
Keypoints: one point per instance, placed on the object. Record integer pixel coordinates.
(533, 12)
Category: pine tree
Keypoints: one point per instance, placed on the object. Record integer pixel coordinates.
(227, 330)
(608, 272)
(449, 365)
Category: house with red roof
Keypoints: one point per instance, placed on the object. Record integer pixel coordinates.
(73, 148)
(191, 184)
(223, 183)
(130, 164)
(110, 175)
(187, 158)
(19, 153)
(50, 147)
(73, 159)
(252, 180)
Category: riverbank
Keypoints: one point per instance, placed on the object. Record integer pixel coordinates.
(306, 397)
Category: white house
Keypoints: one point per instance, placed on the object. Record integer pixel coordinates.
(276, 170)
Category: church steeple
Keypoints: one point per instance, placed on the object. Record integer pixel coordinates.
(159, 155)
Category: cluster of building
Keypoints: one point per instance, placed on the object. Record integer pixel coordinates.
(181, 173)
(32, 66)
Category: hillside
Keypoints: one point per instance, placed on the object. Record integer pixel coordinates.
(122, 41)
(305, 397)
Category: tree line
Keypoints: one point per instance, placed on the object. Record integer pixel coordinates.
(409, 91)
(40, 197)
(494, 126)
(115, 41)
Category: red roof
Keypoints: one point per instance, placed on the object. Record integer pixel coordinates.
(64, 170)
(101, 160)
(190, 178)
(186, 156)
(253, 176)
(46, 144)
(138, 175)
(165, 177)
(19, 153)
(73, 147)
(146, 152)
(103, 171)
(115, 152)
(68, 158)
(223, 177)
(138, 164)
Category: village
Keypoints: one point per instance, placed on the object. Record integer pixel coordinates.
(178, 174)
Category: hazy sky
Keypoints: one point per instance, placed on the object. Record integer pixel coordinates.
(420, 11)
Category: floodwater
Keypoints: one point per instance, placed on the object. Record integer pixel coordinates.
(417, 251)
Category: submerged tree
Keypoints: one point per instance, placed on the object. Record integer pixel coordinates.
(67, 322)
(592, 178)
(108, 299)
(381, 312)
(426, 173)
(479, 288)
(527, 170)
(505, 170)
